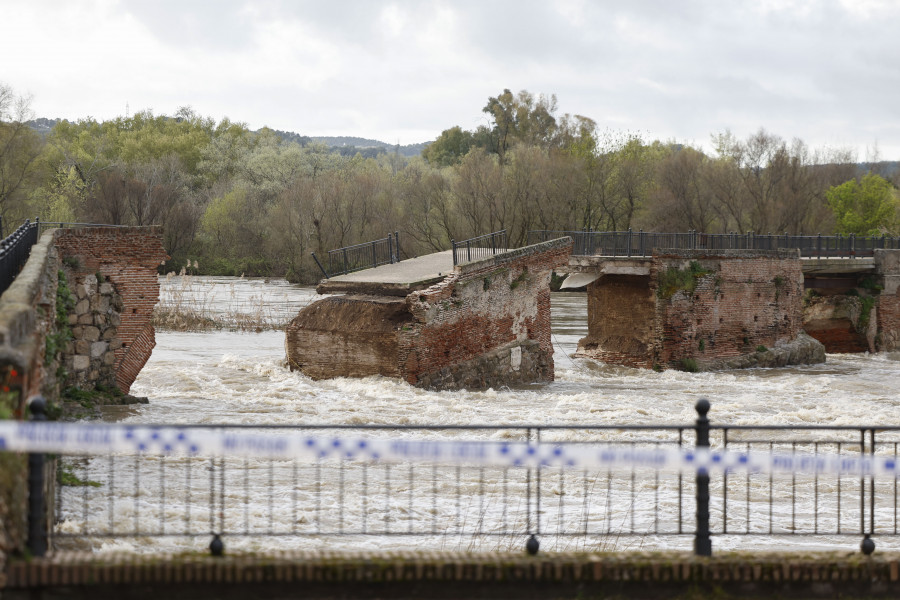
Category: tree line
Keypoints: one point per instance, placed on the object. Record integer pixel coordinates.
(255, 203)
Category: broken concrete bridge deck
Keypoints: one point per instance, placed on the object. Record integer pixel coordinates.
(397, 279)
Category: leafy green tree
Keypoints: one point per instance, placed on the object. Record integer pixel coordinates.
(866, 207)
(449, 148)
(520, 118)
(20, 149)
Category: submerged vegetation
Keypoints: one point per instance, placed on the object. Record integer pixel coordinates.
(190, 303)
(258, 203)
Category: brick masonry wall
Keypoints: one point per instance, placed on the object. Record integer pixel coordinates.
(745, 301)
(347, 336)
(742, 301)
(497, 303)
(621, 317)
(486, 324)
(887, 311)
(128, 258)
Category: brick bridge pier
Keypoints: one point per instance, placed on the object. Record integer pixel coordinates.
(703, 309)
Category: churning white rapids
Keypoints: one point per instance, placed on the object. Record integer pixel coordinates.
(232, 377)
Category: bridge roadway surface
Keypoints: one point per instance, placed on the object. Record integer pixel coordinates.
(393, 279)
(399, 279)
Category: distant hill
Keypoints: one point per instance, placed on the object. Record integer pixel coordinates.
(885, 168)
(344, 145)
(348, 145)
(43, 126)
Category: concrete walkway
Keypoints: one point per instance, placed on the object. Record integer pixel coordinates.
(396, 279)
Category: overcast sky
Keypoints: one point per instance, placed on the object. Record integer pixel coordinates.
(825, 71)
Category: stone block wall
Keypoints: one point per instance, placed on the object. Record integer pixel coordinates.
(94, 322)
(127, 258)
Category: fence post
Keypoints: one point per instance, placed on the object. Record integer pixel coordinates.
(37, 508)
(453, 245)
(643, 239)
(629, 241)
(316, 258)
(702, 542)
(374, 255)
(397, 244)
(391, 248)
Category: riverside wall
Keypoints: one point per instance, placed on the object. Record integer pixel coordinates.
(446, 575)
(485, 324)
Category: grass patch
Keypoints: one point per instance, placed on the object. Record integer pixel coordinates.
(62, 333)
(870, 283)
(761, 348)
(688, 365)
(674, 280)
(523, 277)
(866, 304)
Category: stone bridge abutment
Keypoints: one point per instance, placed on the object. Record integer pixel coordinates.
(78, 314)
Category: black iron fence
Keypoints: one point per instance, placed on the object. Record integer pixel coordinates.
(479, 247)
(361, 256)
(14, 252)
(642, 243)
(347, 502)
(16, 247)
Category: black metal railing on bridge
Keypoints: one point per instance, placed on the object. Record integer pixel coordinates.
(642, 243)
(14, 252)
(479, 247)
(350, 501)
(16, 247)
(361, 256)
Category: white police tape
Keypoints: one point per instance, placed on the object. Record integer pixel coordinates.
(101, 439)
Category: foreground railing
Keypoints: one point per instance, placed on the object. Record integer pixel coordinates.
(361, 256)
(479, 247)
(642, 243)
(483, 487)
(14, 252)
